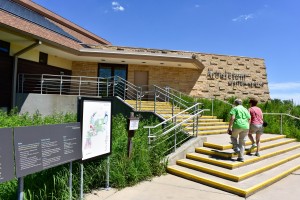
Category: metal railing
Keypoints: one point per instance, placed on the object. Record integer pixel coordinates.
(195, 99)
(281, 118)
(79, 85)
(185, 122)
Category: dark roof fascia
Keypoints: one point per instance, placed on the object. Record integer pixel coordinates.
(51, 15)
(32, 37)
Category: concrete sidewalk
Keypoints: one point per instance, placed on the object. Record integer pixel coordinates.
(170, 187)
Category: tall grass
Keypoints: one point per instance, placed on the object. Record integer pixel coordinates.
(52, 183)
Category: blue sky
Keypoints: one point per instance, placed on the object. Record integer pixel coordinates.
(268, 29)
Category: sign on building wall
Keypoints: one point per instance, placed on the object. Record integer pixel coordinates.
(6, 155)
(96, 117)
(42, 147)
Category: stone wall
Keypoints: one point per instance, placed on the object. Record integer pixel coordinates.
(227, 76)
(182, 79)
(223, 76)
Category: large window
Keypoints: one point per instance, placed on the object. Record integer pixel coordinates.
(108, 70)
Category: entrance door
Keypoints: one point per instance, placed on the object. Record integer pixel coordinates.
(109, 70)
(141, 80)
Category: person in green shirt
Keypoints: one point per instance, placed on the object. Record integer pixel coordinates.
(239, 128)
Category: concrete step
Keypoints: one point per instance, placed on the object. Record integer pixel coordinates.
(227, 163)
(213, 132)
(133, 102)
(243, 172)
(213, 123)
(222, 142)
(204, 118)
(206, 128)
(244, 188)
(229, 153)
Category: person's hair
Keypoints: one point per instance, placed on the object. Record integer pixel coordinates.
(238, 102)
(253, 101)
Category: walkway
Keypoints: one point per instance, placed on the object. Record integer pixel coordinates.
(170, 187)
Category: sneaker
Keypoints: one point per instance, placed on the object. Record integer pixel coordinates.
(240, 159)
(236, 150)
(253, 147)
(257, 154)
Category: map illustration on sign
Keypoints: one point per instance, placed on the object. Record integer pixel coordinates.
(98, 125)
(96, 128)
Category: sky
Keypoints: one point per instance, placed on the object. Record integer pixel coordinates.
(268, 29)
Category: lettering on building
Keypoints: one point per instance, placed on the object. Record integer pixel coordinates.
(234, 79)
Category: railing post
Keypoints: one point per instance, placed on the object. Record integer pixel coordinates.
(42, 82)
(154, 99)
(212, 106)
(136, 101)
(107, 85)
(60, 86)
(281, 123)
(197, 120)
(79, 88)
(140, 98)
(172, 106)
(124, 91)
(175, 136)
(113, 87)
(149, 139)
(98, 86)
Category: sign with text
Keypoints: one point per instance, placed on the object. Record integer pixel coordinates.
(96, 127)
(42, 147)
(133, 124)
(7, 171)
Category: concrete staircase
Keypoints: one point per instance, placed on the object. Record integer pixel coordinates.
(208, 125)
(215, 164)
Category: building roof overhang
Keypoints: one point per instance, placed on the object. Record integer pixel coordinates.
(143, 58)
(106, 53)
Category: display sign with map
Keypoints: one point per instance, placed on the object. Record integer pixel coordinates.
(7, 171)
(41, 147)
(96, 127)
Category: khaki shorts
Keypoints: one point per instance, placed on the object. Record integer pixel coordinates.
(256, 128)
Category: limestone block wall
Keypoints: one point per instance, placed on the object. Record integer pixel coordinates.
(182, 79)
(88, 70)
(227, 76)
(223, 76)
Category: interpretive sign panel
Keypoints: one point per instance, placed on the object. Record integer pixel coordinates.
(6, 155)
(96, 127)
(41, 147)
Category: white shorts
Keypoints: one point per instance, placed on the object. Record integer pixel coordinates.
(256, 128)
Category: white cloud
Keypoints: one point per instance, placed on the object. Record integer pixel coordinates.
(243, 18)
(197, 6)
(285, 86)
(117, 7)
(287, 96)
(285, 91)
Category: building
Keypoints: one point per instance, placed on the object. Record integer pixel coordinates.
(34, 40)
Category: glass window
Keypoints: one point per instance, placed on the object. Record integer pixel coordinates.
(108, 70)
(105, 72)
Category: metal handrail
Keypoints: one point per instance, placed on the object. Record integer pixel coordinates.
(169, 97)
(281, 118)
(170, 119)
(174, 126)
